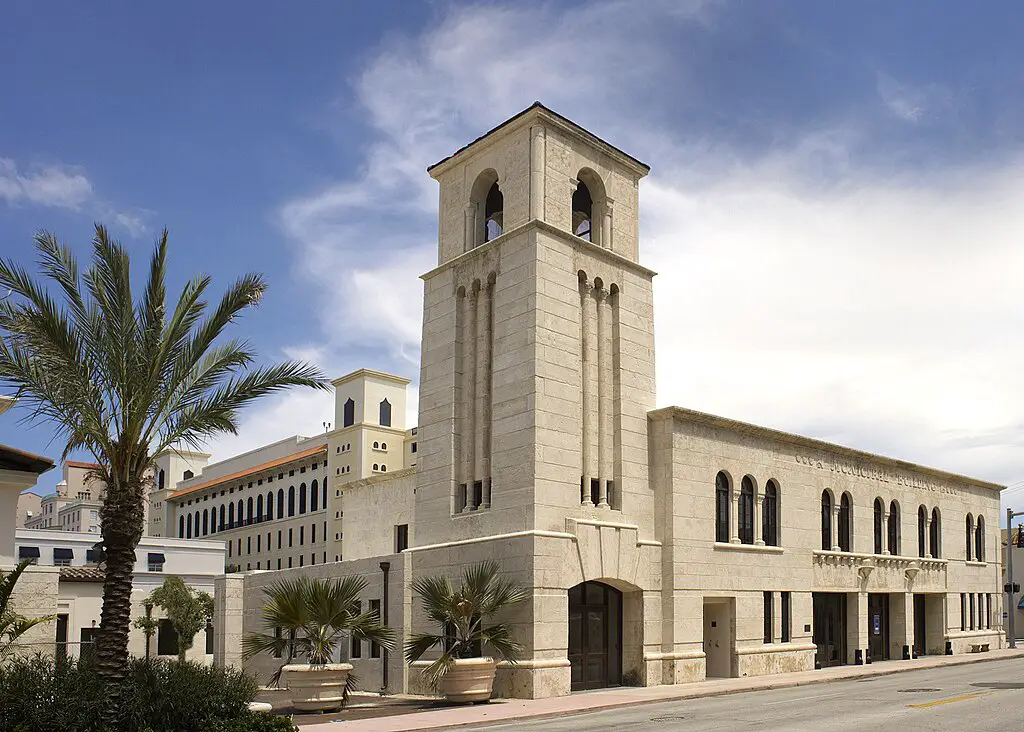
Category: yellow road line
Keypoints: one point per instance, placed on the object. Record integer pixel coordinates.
(947, 701)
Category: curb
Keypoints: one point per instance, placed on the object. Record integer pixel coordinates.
(683, 696)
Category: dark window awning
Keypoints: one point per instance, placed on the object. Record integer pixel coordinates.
(63, 553)
(28, 552)
(1021, 603)
(155, 558)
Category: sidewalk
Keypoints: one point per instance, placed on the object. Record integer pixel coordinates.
(509, 710)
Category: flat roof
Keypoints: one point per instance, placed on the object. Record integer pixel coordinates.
(20, 461)
(249, 471)
(557, 117)
(732, 425)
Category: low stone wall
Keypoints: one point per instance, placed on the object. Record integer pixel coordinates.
(35, 596)
(779, 658)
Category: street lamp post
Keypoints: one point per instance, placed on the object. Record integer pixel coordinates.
(1010, 609)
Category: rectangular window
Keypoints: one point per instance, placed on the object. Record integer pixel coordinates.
(279, 562)
(963, 611)
(302, 534)
(239, 546)
(259, 543)
(971, 600)
(166, 638)
(768, 620)
(357, 646)
(248, 545)
(277, 631)
(209, 639)
(988, 612)
(289, 538)
(375, 647)
(401, 538)
(289, 562)
(312, 533)
(786, 617)
(279, 539)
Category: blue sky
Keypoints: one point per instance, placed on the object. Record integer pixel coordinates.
(833, 206)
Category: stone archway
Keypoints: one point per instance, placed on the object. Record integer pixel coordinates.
(595, 636)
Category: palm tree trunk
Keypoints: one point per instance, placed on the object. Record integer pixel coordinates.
(121, 522)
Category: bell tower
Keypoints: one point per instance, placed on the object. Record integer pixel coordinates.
(538, 339)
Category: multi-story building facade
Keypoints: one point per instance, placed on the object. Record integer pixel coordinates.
(283, 505)
(658, 546)
(75, 504)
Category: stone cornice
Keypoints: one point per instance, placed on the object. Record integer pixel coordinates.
(682, 414)
(534, 113)
(582, 245)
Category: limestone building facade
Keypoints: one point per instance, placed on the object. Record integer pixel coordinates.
(659, 546)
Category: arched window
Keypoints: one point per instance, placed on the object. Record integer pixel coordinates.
(970, 537)
(241, 512)
(376, 466)
(187, 474)
(323, 496)
(582, 212)
(935, 539)
(383, 468)
(280, 503)
(722, 507)
(922, 534)
(770, 514)
(979, 540)
(879, 510)
(188, 528)
(383, 446)
(894, 528)
(385, 413)
(206, 522)
(376, 445)
(248, 510)
(745, 510)
(845, 523)
(826, 521)
(231, 515)
(314, 495)
(494, 213)
(270, 505)
(348, 413)
(196, 519)
(181, 526)
(220, 520)
(291, 501)
(259, 507)
(160, 480)
(302, 498)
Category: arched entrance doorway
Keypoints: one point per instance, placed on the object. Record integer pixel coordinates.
(595, 635)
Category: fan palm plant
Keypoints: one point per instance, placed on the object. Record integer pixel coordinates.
(13, 624)
(462, 615)
(124, 379)
(308, 616)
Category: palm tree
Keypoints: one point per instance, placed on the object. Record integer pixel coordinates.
(308, 616)
(461, 614)
(125, 379)
(13, 624)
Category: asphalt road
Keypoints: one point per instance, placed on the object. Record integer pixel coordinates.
(970, 698)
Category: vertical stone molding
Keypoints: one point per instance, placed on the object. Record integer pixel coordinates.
(586, 470)
(469, 395)
(228, 617)
(606, 224)
(835, 524)
(759, 518)
(603, 395)
(470, 234)
(537, 163)
(485, 319)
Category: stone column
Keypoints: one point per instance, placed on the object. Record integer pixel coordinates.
(606, 224)
(928, 535)
(734, 517)
(470, 234)
(835, 527)
(758, 518)
(901, 625)
(486, 305)
(470, 396)
(885, 531)
(537, 172)
(228, 614)
(586, 391)
(603, 397)
(856, 627)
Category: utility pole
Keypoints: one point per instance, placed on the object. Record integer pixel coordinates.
(1011, 588)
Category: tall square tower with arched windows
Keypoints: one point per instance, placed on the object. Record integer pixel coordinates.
(538, 342)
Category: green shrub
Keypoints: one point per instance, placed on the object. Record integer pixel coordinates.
(39, 695)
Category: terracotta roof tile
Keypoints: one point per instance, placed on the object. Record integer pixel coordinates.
(249, 471)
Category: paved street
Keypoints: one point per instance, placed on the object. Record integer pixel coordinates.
(977, 697)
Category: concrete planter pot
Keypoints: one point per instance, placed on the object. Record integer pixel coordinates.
(316, 688)
(470, 680)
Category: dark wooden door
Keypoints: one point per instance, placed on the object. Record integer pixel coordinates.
(878, 627)
(829, 629)
(595, 636)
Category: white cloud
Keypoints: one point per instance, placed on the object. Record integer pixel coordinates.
(797, 288)
(64, 187)
(913, 104)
